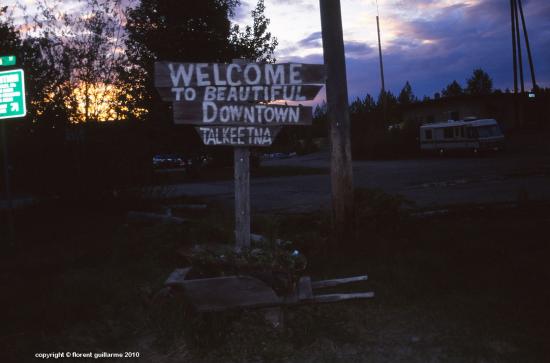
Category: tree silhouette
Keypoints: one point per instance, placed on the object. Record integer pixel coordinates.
(406, 96)
(479, 83)
(177, 30)
(255, 42)
(10, 41)
(83, 56)
(453, 89)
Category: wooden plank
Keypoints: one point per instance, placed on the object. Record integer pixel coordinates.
(329, 298)
(174, 74)
(237, 135)
(240, 93)
(222, 113)
(242, 197)
(336, 282)
(229, 292)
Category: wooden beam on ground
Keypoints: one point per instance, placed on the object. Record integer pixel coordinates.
(177, 277)
(336, 282)
(330, 298)
(229, 292)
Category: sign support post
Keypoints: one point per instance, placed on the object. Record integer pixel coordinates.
(337, 99)
(7, 181)
(242, 197)
(12, 105)
(241, 169)
(235, 105)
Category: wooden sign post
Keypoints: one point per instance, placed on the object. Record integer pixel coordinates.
(239, 104)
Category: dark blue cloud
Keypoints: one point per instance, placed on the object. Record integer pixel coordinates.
(432, 52)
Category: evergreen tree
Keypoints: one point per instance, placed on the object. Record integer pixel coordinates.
(453, 89)
(390, 100)
(406, 96)
(479, 83)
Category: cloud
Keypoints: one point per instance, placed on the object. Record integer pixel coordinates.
(430, 51)
(314, 40)
(355, 49)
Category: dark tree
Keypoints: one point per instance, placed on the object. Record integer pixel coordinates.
(188, 31)
(255, 42)
(360, 106)
(479, 83)
(406, 96)
(83, 57)
(10, 41)
(390, 100)
(453, 89)
(178, 30)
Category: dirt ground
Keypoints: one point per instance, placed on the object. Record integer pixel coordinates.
(466, 286)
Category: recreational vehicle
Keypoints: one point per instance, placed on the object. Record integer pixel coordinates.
(474, 135)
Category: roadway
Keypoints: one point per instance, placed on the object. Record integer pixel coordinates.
(429, 182)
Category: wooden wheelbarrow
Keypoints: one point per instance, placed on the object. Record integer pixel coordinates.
(235, 292)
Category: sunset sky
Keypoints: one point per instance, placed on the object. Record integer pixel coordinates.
(427, 42)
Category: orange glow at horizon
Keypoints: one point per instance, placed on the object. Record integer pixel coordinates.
(100, 102)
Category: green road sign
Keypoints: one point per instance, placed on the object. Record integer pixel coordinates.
(12, 94)
(8, 60)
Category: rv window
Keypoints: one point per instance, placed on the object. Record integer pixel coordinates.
(448, 133)
(428, 134)
(488, 131)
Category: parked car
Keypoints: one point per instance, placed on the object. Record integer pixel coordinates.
(169, 161)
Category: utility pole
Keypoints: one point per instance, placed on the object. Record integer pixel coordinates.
(520, 57)
(337, 100)
(514, 59)
(516, 10)
(528, 46)
(381, 68)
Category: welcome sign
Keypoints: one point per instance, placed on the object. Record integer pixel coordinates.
(239, 104)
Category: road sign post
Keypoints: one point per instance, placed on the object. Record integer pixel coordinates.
(12, 105)
(239, 104)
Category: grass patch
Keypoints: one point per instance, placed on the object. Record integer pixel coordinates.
(464, 286)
